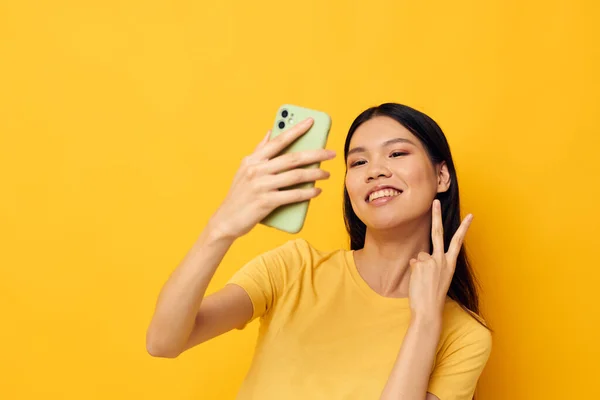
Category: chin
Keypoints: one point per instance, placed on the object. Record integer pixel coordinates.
(385, 225)
(384, 221)
(388, 218)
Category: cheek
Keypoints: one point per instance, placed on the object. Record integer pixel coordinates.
(419, 174)
(418, 177)
(352, 187)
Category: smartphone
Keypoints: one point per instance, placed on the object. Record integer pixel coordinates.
(290, 217)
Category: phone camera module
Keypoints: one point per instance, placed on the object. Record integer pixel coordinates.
(284, 113)
(281, 124)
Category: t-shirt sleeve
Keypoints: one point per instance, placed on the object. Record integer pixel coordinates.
(457, 371)
(265, 277)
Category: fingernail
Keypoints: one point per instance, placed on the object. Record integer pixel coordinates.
(307, 120)
(332, 153)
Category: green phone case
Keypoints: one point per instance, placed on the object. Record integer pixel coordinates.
(290, 217)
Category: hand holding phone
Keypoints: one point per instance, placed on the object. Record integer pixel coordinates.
(291, 217)
(279, 173)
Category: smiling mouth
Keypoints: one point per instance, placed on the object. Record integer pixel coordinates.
(382, 193)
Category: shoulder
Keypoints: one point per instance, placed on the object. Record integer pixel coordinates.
(300, 251)
(293, 256)
(462, 328)
(293, 248)
(301, 245)
(462, 354)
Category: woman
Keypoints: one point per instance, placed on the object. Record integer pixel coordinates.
(395, 317)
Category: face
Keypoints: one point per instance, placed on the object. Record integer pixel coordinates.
(390, 179)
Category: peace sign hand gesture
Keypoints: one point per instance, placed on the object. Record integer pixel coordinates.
(431, 275)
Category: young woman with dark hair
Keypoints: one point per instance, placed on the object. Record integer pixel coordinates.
(396, 316)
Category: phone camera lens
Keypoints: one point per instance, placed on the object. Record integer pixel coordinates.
(284, 113)
(281, 124)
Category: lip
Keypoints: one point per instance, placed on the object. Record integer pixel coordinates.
(381, 187)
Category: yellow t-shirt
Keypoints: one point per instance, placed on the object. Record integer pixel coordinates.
(325, 334)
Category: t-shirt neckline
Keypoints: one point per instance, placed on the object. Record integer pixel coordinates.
(368, 290)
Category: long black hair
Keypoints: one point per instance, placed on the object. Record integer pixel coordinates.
(464, 286)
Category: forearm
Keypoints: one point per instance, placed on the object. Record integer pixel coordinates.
(410, 375)
(180, 298)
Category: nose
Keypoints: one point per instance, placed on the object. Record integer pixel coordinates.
(377, 170)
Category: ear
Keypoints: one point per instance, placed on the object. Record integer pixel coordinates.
(443, 177)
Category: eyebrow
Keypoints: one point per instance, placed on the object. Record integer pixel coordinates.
(384, 144)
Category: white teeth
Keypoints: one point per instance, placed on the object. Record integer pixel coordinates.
(383, 193)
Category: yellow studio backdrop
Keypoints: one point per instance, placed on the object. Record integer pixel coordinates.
(123, 123)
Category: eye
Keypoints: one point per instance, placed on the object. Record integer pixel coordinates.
(398, 154)
(357, 163)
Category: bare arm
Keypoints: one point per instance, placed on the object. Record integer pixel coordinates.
(179, 322)
(182, 319)
(410, 376)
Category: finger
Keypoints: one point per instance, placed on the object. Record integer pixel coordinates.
(297, 159)
(412, 263)
(437, 230)
(290, 196)
(294, 177)
(277, 144)
(263, 141)
(458, 239)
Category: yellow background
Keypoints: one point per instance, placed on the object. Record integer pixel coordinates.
(122, 124)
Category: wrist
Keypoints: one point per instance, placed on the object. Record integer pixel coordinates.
(429, 320)
(216, 231)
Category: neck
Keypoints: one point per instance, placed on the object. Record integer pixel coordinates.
(384, 260)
